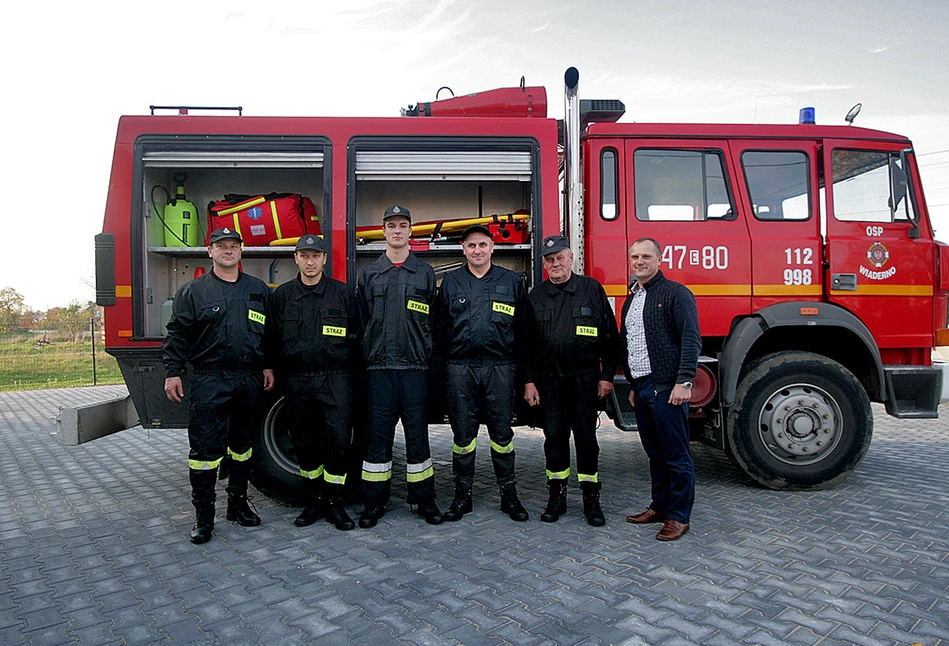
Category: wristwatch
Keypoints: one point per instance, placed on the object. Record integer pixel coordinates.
(687, 385)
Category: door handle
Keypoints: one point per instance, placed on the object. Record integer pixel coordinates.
(844, 282)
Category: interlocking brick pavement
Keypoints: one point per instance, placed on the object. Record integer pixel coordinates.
(94, 550)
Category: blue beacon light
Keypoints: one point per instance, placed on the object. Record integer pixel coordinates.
(806, 116)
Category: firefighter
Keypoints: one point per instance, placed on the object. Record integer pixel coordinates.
(312, 335)
(479, 324)
(395, 295)
(217, 326)
(571, 367)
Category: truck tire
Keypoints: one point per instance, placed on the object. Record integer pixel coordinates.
(800, 421)
(276, 471)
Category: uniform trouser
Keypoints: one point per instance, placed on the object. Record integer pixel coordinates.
(320, 408)
(570, 403)
(477, 393)
(225, 412)
(664, 432)
(395, 395)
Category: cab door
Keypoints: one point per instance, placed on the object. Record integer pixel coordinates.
(880, 260)
(778, 189)
(681, 193)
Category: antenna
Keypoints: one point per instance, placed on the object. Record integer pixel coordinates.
(854, 111)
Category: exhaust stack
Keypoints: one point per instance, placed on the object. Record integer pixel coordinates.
(573, 194)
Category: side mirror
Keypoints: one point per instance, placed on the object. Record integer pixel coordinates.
(899, 190)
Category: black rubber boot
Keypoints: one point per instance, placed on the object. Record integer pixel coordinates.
(370, 515)
(203, 524)
(202, 497)
(591, 504)
(429, 511)
(336, 514)
(510, 504)
(461, 504)
(238, 509)
(315, 508)
(556, 501)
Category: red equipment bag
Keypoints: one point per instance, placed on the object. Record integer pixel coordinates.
(261, 219)
(507, 230)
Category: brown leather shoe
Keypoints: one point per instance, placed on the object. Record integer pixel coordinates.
(672, 530)
(646, 516)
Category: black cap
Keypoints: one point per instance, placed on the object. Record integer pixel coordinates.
(553, 244)
(225, 234)
(475, 228)
(396, 211)
(310, 241)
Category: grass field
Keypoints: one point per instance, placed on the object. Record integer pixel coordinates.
(30, 364)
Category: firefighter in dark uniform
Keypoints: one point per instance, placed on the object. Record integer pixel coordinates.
(572, 364)
(479, 326)
(312, 335)
(395, 295)
(217, 326)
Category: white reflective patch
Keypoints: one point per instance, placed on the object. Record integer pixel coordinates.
(377, 467)
(418, 467)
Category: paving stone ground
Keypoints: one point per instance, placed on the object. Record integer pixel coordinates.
(94, 550)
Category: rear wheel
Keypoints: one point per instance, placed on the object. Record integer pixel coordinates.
(276, 471)
(800, 421)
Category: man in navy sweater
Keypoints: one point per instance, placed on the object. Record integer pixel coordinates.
(661, 343)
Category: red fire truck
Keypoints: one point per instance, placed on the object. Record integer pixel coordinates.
(809, 248)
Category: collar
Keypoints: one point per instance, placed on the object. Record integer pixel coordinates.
(571, 285)
(319, 288)
(410, 263)
(634, 284)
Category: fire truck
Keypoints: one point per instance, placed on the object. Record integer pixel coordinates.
(819, 284)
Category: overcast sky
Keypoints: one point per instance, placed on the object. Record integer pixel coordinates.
(71, 69)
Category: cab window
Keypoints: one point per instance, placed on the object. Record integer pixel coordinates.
(681, 185)
(870, 186)
(609, 185)
(777, 184)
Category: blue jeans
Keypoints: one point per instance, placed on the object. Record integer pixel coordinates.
(664, 432)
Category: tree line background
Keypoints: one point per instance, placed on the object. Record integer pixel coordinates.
(57, 348)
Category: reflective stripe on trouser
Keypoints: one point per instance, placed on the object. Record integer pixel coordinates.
(569, 404)
(476, 393)
(398, 395)
(319, 410)
(225, 412)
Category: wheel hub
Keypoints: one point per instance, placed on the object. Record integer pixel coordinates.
(800, 424)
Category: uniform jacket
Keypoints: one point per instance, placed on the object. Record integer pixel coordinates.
(217, 325)
(572, 330)
(313, 329)
(480, 321)
(395, 306)
(673, 340)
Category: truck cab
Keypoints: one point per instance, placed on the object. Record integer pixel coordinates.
(819, 285)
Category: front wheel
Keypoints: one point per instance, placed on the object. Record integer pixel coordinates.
(800, 421)
(276, 472)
